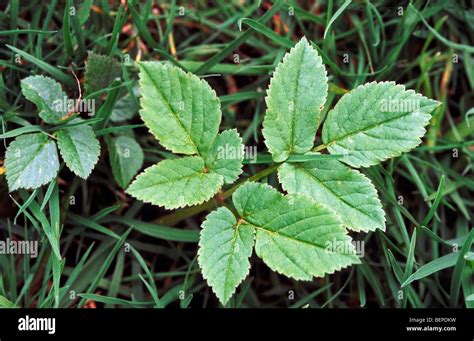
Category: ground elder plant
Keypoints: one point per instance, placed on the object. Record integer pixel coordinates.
(301, 234)
(32, 159)
(204, 153)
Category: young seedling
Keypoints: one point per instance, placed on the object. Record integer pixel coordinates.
(302, 234)
(32, 159)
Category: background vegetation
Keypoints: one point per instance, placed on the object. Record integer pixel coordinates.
(120, 252)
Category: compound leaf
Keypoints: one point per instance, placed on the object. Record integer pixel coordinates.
(175, 183)
(179, 108)
(79, 148)
(296, 94)
(225, 247)
(31, 161)
(126, 158)
(294, 235)
(226, 155)
(48, 97)
(352, 196)
(376, 121)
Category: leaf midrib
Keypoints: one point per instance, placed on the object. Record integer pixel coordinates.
(171, 110)
(276, 232)
(230, 255)
(38, 151)
(293, 114)
(305, 170)
(372, 126)
(271, 232)
(75, 151)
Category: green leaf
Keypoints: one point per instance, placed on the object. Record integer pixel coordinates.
(48, 68)
(176, 234)
(469, 256)
(6, 303)
(295, 97)
(456, 277)
(100, 72)
(126, 158)
(84, 11)
(225, 247)
(79, 148)
(31, 161)
(179, 108)
(294, 235)
(124, 109)
(432, 267)
(175, 183)
(352, 196)
(375, 122)
(226, 155)
(48, 97)
(184, 113)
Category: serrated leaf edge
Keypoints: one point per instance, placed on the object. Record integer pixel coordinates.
(170, 207)
(44, 182)
(96, 159)
(391, 155)
(303, 40)
(373, 189)
(187, 74)
(281, 195)
(204, 275)
(56, 84)
(241, 159)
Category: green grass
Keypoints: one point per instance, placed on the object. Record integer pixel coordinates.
(110, 250)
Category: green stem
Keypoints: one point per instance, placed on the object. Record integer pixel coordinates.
(319, 148)
(176, 217)
(180, 215)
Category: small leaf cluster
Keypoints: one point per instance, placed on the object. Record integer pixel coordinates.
(184, 114)
(32, 159)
